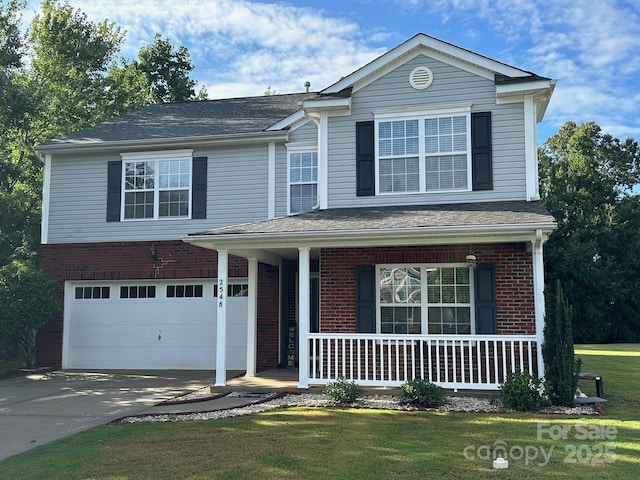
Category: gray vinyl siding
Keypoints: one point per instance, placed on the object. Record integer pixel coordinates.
(306, 133)
(236, 193)
(281, 181)
(450, 86)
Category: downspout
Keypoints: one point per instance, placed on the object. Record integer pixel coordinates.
(321, 196)
(538, 289)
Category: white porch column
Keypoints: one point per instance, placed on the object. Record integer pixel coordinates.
(252, 318)
(304, 287)
(221, 333)
(538, 289)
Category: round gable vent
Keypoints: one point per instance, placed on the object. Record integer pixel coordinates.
(420, 78)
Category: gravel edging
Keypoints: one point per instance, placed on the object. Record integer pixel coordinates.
(380, 402)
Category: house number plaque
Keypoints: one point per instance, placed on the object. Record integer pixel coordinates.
(220, 292)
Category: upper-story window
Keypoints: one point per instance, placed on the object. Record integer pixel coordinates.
(302, 178)
(156, 187)
(424, 151)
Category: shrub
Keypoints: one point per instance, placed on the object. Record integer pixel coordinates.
(422, 393)
(523, 392)
(343, 391)
(560, 366)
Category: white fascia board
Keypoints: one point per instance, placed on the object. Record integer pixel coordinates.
(327, 104)
(376, 238)
(287, 121)
(540, 91)
(523, 88)
(434, 48)
(164, 154)
(163, 143)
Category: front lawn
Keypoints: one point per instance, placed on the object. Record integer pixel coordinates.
(306, 443)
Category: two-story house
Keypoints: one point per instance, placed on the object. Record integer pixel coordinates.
(385, 228)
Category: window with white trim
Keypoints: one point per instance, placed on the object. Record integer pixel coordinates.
(418, 299)
(424, 151)
(156, 187)
(302, 179)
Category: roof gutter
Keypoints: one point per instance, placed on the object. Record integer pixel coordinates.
(372, 237)
(161, 143)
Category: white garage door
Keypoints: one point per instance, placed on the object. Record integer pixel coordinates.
(151, 325)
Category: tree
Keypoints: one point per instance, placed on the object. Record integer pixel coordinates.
(27, 302)
(61, 77)
(71, 58)
(167, 72)
(560, 366)
(587, 181)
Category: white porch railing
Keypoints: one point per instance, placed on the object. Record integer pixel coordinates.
(480, 362)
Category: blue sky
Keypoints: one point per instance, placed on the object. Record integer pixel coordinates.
(241, 47)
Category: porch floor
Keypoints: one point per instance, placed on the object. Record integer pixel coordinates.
(282, 380)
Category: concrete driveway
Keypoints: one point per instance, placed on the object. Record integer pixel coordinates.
(36, 409)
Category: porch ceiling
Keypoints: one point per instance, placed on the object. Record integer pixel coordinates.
(489, 222)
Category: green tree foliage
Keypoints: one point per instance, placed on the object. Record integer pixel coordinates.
(589, 182)
(27, 301)
(61, 77)
(560, 367)
(71, 58)
(167, 72)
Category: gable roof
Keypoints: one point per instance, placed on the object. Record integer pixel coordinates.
(248, 118)
(447, 52)
(207, 118)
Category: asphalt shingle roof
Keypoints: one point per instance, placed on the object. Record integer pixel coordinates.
(191, 119)
(398, 217)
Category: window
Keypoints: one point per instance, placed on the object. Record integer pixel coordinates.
(425, 152)
(416, 299)
(400, 292)
(234, 290)
(87, 293)
(141, 291)
(303, 180)
(398, 153)
(184, 291)
(157, 188)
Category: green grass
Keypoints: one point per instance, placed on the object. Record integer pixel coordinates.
(362, 444)
(619, 365)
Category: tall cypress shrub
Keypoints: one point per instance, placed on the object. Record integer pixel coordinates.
(560, 365)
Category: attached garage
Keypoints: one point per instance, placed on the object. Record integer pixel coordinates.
(151, 325)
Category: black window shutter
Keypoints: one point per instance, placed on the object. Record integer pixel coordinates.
(114, 190)
(199, 188)
(365, 299)
(365, 159)
(481, 161)
(485, 290)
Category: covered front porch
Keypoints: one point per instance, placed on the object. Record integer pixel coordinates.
(337, 347)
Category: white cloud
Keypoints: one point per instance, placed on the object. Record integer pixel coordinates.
(241, 47)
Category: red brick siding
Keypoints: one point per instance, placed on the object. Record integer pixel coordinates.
(514, 280)
(133, 261)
